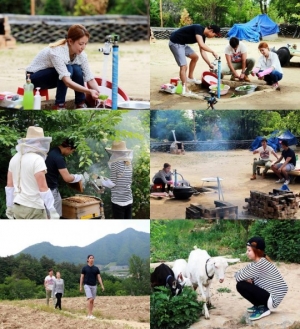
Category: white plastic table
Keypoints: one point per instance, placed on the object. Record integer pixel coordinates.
(218, 180)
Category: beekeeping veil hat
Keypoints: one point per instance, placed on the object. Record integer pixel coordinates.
(119, 152)
(34, 142)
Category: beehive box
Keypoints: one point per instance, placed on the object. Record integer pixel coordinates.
(82, 207)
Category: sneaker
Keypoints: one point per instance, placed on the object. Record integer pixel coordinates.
(81, 105)
(61, 106)
(281, 180)
(287, 182)
(251, 309)
(197, 82)
(260, 312)
(171, 194)
(253, 177)
(92, 317)
(246, 78)
(275, 86)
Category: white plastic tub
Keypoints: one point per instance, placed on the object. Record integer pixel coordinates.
(134, 105)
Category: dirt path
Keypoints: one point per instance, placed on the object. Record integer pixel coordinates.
(229, 310)
(234, 167)
(164, 67)
(111, 313)
(133, 58)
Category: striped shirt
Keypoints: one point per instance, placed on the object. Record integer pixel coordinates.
(266, 276)
(121, 175)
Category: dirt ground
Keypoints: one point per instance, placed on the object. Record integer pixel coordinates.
(164, 67)
(111, 313)
(133, 57)
(234, 167)
(229, 310)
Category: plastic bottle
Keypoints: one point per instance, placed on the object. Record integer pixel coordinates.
(37, 99)
(179, 88)
(28, 100)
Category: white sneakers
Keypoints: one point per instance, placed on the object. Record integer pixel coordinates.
(287, 182)
(280, 180)
(91, 317)
(197, 82)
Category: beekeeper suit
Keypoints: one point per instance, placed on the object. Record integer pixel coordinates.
(27, 192)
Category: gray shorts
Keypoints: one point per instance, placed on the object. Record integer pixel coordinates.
(90, 291)
(180, 52)
(288, 167)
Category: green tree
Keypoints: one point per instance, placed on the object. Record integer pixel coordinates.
(53, 7)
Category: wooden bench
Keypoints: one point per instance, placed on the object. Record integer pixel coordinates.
(294, 173)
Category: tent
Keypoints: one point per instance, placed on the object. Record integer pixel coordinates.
(259, 27)
(274, 140)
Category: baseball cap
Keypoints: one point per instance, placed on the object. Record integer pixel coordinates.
(68, 143)
(216, 29)
(260, 243)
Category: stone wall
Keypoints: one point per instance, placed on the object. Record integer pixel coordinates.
(46, 29)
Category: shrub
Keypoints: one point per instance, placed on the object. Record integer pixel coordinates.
(167, 312)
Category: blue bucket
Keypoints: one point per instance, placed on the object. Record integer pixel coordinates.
(284, 187)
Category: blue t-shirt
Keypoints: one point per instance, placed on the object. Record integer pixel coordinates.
(90, 275)
(54, 161)
(187, 34)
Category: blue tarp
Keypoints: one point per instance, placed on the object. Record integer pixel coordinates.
(274, 140)
(252, 31)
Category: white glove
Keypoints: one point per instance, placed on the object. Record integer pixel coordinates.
(9, 191)
(77, 178)
(48, 199)
(103, 181)
(9, 213)
(53, 214)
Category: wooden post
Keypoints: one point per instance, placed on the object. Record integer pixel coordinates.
(32, 7)
(161, 15)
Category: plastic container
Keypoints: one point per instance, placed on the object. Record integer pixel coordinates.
(134, 105)
(239, 90)
(37, 99)
(28, 99)
(209, 78)
(224, 89)
(179, 88)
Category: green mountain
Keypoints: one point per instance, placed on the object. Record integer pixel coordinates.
(113, 248)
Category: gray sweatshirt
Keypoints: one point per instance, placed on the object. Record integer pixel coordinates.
(58, 287)
(162, 175)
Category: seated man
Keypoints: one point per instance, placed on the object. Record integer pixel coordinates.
(264, 154)
(282, 169)
(236, 58)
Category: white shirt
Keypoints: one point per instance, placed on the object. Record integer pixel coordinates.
(58, 57)
(271, 61)
(265, 153)
(236, 55)
(49, 281)
(26, 167)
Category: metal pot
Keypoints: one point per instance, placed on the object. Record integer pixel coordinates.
(183, 192)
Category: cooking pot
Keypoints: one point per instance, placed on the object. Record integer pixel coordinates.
(183, 192)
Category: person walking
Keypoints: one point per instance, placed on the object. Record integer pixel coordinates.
(62, 65)
(58, 290)
(56, 166)
(180, 40)
(48, 284)
(27, 193)
(121, 175)
(260, 282)
(88, 278)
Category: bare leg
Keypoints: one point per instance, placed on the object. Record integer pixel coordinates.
(194, 59)
(90, 306)
(276, 171)
(182, 75)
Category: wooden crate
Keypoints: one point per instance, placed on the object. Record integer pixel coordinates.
(86, 207)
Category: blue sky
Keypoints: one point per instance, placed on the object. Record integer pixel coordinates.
(16, 235)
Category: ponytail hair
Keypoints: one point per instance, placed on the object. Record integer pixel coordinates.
(75, 32)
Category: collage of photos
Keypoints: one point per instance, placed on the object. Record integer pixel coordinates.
(150, 162)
